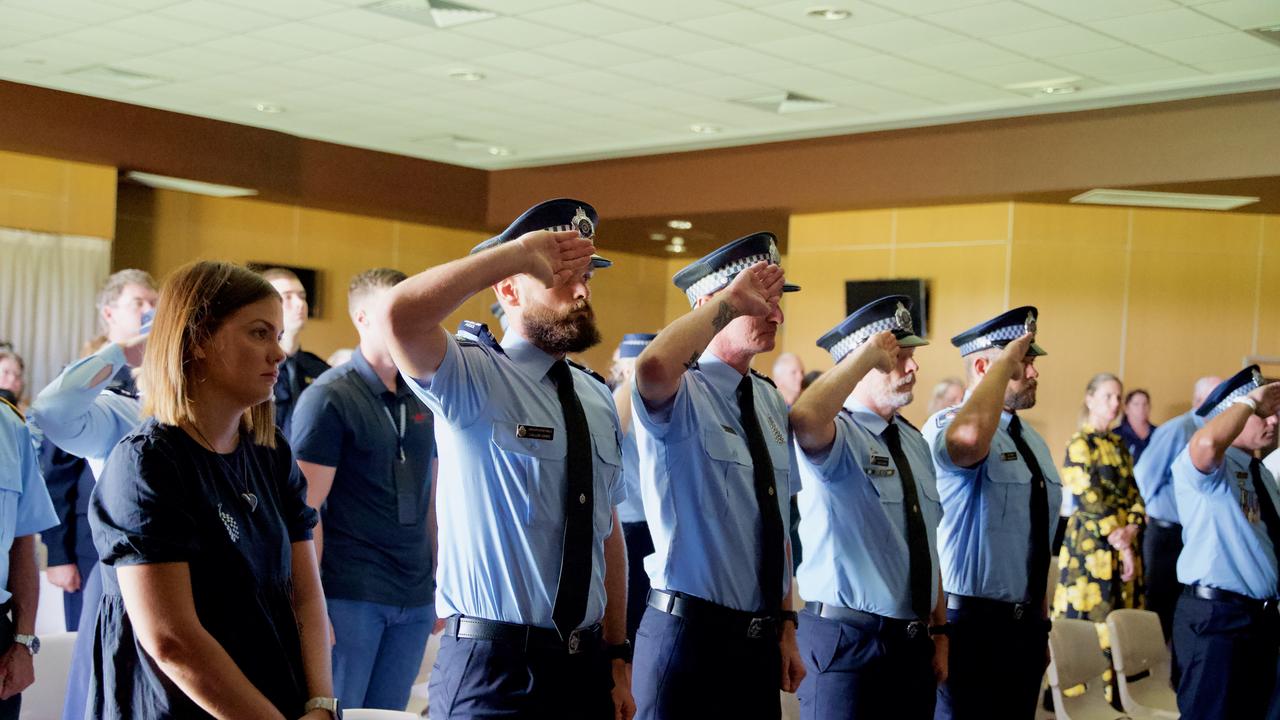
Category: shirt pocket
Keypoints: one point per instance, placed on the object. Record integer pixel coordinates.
(10, 493)
(888, 487)
(731, 465)
(1010, 491)
(539, 462)
(608, 470)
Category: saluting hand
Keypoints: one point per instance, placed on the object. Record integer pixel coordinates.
(557, 257)
(1016, 351)
(1268, 399)
(756, 290)
(883, 349)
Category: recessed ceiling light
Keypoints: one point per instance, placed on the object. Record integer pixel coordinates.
(679, 224)
(466, 75)
(704, 129)
(269, 108)
(828, 13)
(674, 248)
(499, 151)
(1058, 89)
(1146, 198)
(657, 236)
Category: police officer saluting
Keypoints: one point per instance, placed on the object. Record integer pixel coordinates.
(1226, 632)
(531, 556)
(1000, 495)
(716, 470)
(869, 515)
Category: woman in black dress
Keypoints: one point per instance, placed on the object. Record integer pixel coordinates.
(212, 603)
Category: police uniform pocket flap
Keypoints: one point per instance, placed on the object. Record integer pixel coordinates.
(929, 487)
(721, 444)
(607, 449)
(10, 481)
(540, 441)
(888, 487)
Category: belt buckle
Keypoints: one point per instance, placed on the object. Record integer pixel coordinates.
(755, 628)
(915, 628)
(1019, 610)
(575, 641)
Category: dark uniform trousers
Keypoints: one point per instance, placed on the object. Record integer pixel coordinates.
(491, 678)
(8, 708)
(690, 669)
(639, 546)
(1227, 652)
(1161, 544)
(866, 669)
(995, 664)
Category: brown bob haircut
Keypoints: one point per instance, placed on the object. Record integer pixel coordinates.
(194, 302)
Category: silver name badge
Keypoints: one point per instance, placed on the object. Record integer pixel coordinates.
(535, 432)
(1009, 456)
(879, 461)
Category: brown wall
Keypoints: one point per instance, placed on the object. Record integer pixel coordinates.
(56, 196)
(1158, 297)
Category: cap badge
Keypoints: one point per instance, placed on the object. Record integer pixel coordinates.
(1258, 380)
(902, 316)
(583, 224)
(1029, 325)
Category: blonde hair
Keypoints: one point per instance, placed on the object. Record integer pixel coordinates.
(1094, 383)
(194, 302)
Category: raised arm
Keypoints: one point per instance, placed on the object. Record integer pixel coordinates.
(969, 435)
(66, 411)
(1210, 442)
(417, 306)
(813, 417)
(754, 292)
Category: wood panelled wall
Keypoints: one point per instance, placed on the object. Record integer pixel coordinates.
(1158, 297)
(57, 196)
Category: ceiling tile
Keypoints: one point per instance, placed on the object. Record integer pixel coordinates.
(998, 18)
(586, 20)
(900, 35)
(113, 39)
(735, 61)
(335, 66)
(815, 49)
(22, 61)
(514, 32)
(256, 49)
(450, 44)
(599, 82)
(861, 13)
(1244, 14)
(21, 26)
(1060, 40)
(1015, 73)
(662, 98)
(55, 51)
(161, 27)
(187, 62)
(669, 11)
(664, 41)
(312, 37)
(391, 56)
(140, 4)
(948, 88)
(743, 27)
(592, 52)
(1160, 26)
(1210, 48)
(1124, 59)
(369, 25)
(726, 88)
(292, 9)
(661, 70)
(541, 64)
(219, 15)
(877, 67)
(799, 78)
(17, 13)
(506, 7)
(873, 98)
(924, 7)
(968, 54)
(1263, 63)
(1079, 10)
(1144, 77)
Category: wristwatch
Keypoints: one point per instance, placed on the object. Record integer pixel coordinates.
(31, 642)
(791, 615)
(1248, 401)
(324, 703)
(622, 651)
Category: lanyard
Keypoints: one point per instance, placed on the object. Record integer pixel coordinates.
(400, 430)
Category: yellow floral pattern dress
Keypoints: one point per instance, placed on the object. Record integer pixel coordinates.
(1099, 472)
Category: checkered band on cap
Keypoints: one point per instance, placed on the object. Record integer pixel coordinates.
(634, 343)
(862, 334)
(1236, 394)
(1009, 332)
(725, 275)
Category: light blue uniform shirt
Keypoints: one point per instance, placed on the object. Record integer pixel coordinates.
(25, 507)
(1225, 542)
(985, 533)
(500, 497)
(78, 416)
(852, 521)
(1154, 471)
(631, 510)
(699, 487)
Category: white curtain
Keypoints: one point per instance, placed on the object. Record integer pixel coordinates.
(48, 284)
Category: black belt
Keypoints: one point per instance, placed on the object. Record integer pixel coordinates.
(1218, 595)
(1163, 524)
(750, 625)
(998, 609)
(911, 628)
(526, 637)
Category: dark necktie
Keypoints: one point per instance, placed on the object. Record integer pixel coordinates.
(1269, 517)
(771, 542)
(1038, 557)
(917, 540)
(575, 557)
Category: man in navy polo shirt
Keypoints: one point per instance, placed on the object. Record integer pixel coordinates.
(366, 445)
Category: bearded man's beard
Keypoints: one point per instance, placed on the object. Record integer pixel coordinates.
(554, 333)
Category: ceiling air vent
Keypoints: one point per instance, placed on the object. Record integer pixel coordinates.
(786, 103)
(432, 13)
(1270, 33)
(1145, 198)
(117, 76)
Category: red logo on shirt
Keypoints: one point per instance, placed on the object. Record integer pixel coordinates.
(419, 418)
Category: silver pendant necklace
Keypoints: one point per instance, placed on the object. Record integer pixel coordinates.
(249, 498)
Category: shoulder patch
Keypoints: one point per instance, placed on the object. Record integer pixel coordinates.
(474, 333)
(588, 371)
(764, 377)
(946, 415)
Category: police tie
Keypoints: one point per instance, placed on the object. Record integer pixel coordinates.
(1269, 517)
(1038, 557)
(917, 539)
(575, 559)
(771, 542)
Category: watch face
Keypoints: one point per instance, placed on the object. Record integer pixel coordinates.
(35, 645)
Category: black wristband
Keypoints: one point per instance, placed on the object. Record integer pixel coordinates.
(792, 616)
(622, 651)
(935, 630)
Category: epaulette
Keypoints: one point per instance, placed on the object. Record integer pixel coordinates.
(764, 377)
(588, 371)
(14, 408)
(474, 333)
(907, 422)
(122, 391)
